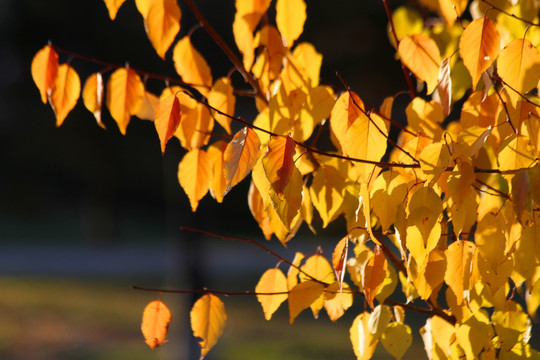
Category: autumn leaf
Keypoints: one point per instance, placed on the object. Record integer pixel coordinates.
(317, 267)
(278, 163)
(65, 93)
(421, 55)
(327, 193)
(347, 108)
(458, 272)
(339, 259)
(396, 339)
(247, 17)
(167, 119)
(155, 323)
(92, 95)
(292, 273)
(337, 299)
(113, 6)
(195, 175)
(290, 18)
(258, 210)
(191, 66)
(215, 154)
(148, 108)
(272, 281)
(479, 47)
(287, 206)
(374, 274)
(125, 92)
(240, 156)
(44, 69)
(363, 342)
(222, 98)
(208, 318)
(302, 295)
(444, 87)
(388, 191)
(162, 23)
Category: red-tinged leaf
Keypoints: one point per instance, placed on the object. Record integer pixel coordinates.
(339, 259)
(162, 23)
(168, 116)
(346, 110)
(278, 163)
(240, 156)
(479, 47)
(191, 66)
(519, 66)
(92, 95)
(374, 274)
(287, 206)
(155, 323)
(44, 69)
(302, 296)
(195, 175)
(222, 98)
(113, 6)
(208, 318)
(444, 87)
(421, 55)
(125, 92)
(66, 91)
(272, 281)
(290, 19)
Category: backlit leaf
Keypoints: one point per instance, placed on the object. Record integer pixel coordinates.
(479, 47)
(339, 258)
(222, 97)
(272, 281)
(92, 95)
(258, 210)
(302, 295)
(125, 92)
(318, 268)
(388, 191)
(278, 163)
(113, 6)
(191, 66)
(247, 17)
(162, 23)
(292, 273)
(195, 175)
(290, 18)
(336, 301)
(515, 153)
(363, 342)
(215, 154)
(155, 323)
(444, 87)
(65, 93)
(168, 116)
(519, 66)
(44, 69)
(459, 269)
(374, 274)
(421, 55)
(379, 319)
(396, 339)
(208, 318)
(346, 110)
(327, 193)
(288, 205)
(240, 156)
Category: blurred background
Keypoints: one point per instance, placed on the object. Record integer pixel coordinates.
(86, 213)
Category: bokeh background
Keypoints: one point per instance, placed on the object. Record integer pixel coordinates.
(86, 213)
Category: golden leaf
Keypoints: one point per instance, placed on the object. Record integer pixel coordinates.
(339, 259)
(388, 191)
(65, 93)
(290, 18)
(162, 24)
(396, 339)
(92, 95)
(318, 268)
(459, 269)
(125, 92)
(113, 6)
(374, 274)
(240, 156)
(155, 323)
(278, 163)
(302, 296)
(168, 116)
(336, 301)
(215, 154)
(222, 97)
(258, 210)
(363, 342)
(272, 281)
(44, 69)
(421, 55)
(208, 318)
(292, 273)
(195, 175)
(287, 206)
(191, 66)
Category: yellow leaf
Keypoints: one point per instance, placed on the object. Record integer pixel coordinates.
(318, 268)
(366, 138)
(125, 92)
(240, 156)
(168, 116)
(438, 335)
(65, 93)
(288, 205)
(258, 210)
(162, 23)
(272, 281)
(339, 259)
(434, 160)
(479, 47)
(374, 275)
(449, 10)
(407, 21)
(113, 6)
(195, 175)
(290, 18)
(147, 110)
(421, 55)
(425, 117)
(208, 318)
(278, 163)
(510, 324)
(379, 320)
(222, 97)
(92, 95)
(474, 333)
(388, 191)
(336, 301)
(459, 269)
(196, 125)
(515, 154)
(388, 286)
(396, 339)
(428, 279)
(347, 108)
(479, 110)
(292, 273)
(363, 342)
(302, 295)
(519, 66)
(327, 193)
(444, 86)
(155, 323)
(44, 69)
(191, 66)
(247, 17)
(215, 154)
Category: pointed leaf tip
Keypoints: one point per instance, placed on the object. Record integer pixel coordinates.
(155, 323)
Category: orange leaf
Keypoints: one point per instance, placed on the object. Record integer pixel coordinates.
(222, 98)
(240, 156)
(208, 318)
(215, 154)
(421, 55)
(302, 296)
(162, 23)
(149, 105)
(459, 269)
(290, 19)
(44, 70)
(346, 110)
(444, 86)
(113, 6)
(337, 301)
(272, 281)
(155, 322)
(257, 208)
(339, 259)
(196, 125)
(278, 163)
(374, 274)
(287, 206)
(167, 119)
(191, 66)
(479, 47)
(65, 93)
(195, 175)
(125, 92)
(93, 96)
